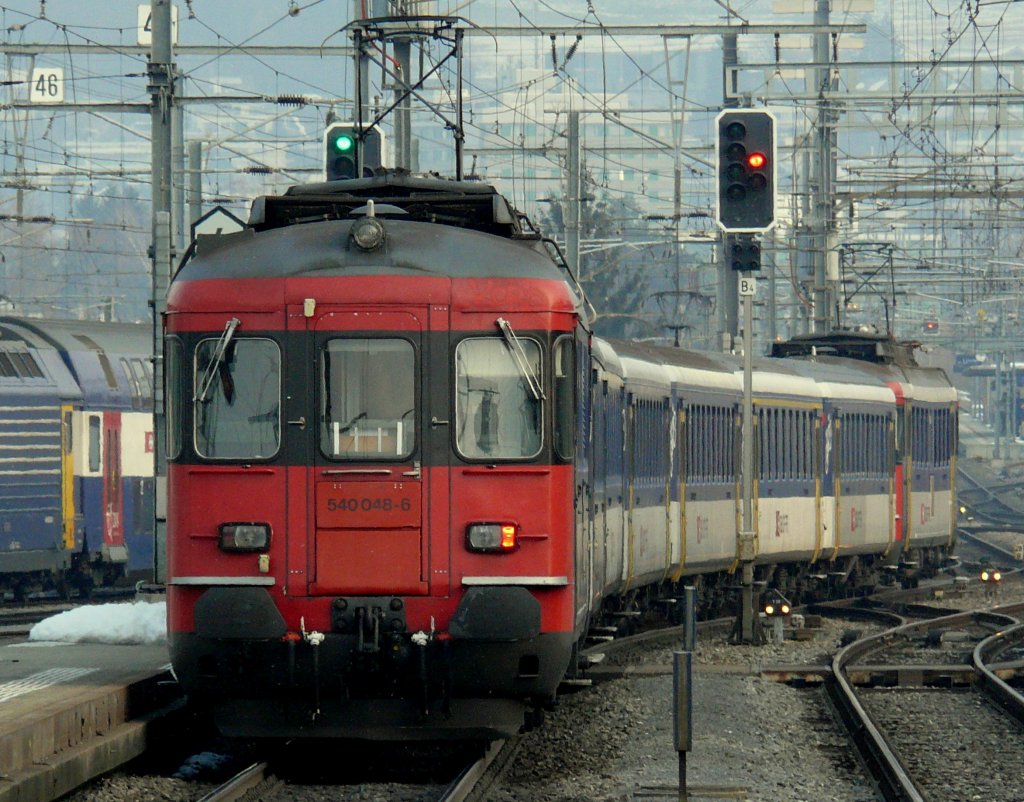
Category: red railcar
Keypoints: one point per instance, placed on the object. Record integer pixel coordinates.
(403, 478)
(370, 482)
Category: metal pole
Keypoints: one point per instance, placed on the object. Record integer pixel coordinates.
(747, 545)
(824, 280)
(161, 87)
(403, 118)
(682, 687)
(573, 215)
(460, 133)
(180, 224)
(727, 305)
(195, 182)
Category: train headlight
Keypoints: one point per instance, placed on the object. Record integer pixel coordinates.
(997, 577)
(244, 537)
(984, 576)
(769, 609)
(368, 233)
(496, 537)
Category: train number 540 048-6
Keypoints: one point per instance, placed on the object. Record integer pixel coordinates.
(366, 504)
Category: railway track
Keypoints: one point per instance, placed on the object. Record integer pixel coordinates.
(916, 714)
(277, 779)
(988, 503)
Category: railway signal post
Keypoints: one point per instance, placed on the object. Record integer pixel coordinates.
(746, 206)
(352, 150)
(682, 687)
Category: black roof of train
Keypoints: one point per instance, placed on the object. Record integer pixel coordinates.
(433, 227)
(865, 346)
(463, 204)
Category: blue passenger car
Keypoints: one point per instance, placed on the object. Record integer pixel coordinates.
(76, 452)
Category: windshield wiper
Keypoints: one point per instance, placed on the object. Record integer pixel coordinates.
(521, 360)
(218, 358)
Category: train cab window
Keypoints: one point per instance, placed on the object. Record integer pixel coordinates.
(497, 405)
(565, 396)
(368, 399)
(7, 369)
(237, 395)
(175, 395)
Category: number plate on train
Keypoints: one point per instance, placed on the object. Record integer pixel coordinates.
(367, 505)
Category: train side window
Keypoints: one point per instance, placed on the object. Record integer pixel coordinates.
(143, 379)
(497, 414)
(26, 365)
(175, 395)
(789, 433)
(7, 369)
(133, 384)
(564, 364)
(237, 413)
(94, 443)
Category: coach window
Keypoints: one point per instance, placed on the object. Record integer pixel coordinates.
(497, 403)
(565, 396)
(237, 395)
(368, 399)
(94, 443)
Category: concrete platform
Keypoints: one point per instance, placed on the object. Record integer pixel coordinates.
(70, 712)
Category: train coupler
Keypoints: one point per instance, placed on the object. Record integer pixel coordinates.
(369, 618)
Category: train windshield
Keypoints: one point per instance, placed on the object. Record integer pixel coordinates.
(368, 399)
(497, 411)
(239, 414)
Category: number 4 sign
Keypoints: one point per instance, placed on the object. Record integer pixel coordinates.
(144, 29)
(47, 85)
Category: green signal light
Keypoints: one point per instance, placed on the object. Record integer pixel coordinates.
(344, 143)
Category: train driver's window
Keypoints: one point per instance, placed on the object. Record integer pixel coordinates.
(497, 410)
(368, 399)
(237, 398)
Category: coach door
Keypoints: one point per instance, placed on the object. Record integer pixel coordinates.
(113, 502)
(369, 501)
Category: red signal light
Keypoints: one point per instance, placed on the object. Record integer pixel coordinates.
(757, 160)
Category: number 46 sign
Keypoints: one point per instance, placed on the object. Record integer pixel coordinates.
(47, 85)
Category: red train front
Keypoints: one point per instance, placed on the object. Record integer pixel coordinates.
(371, 415)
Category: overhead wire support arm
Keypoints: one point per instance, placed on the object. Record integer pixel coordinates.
(411, 91)
(380, 30)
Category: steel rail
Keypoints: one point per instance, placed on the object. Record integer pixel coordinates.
(463, 786)
(239, 785)
(893, 779)
(1006, 696)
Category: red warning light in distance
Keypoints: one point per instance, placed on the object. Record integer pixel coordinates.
(757, 160)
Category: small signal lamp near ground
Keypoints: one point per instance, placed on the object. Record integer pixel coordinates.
(992, 579)
(777, 608)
